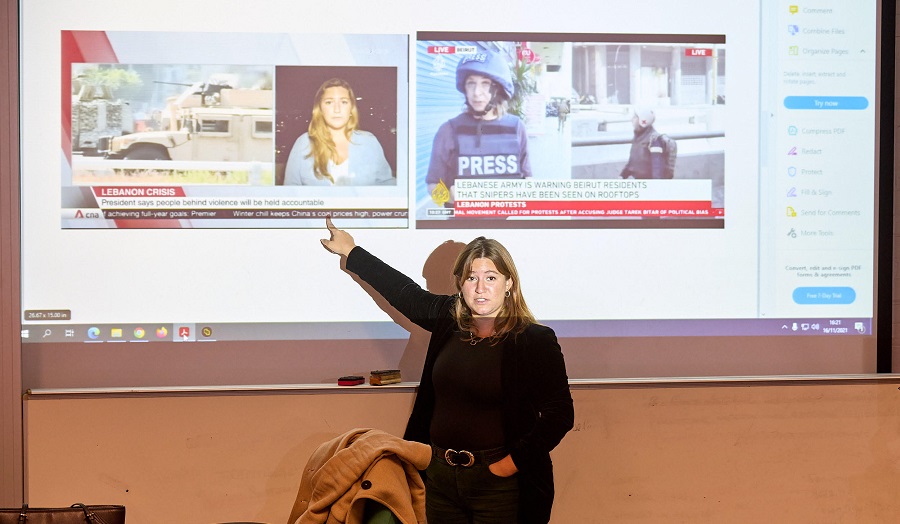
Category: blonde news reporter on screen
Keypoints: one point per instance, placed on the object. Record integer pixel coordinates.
(335, 152)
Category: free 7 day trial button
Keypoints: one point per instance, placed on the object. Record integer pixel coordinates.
(826, 102)
(824, 295)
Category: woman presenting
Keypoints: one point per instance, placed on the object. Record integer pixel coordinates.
(494, 395)
(335, 152)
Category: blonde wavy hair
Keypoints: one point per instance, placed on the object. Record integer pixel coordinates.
(514, 315)
(321, 147)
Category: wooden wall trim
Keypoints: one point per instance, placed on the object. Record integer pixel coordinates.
(11, 451)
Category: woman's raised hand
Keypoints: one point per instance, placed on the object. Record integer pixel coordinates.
(340, 242)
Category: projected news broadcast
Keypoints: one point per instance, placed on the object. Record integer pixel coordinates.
(199, 140)
(606, 128)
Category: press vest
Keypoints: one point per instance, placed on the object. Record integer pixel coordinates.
(487, 148)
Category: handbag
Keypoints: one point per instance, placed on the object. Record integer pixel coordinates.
(74, 514)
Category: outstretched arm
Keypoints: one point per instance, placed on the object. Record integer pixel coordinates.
(413, 302)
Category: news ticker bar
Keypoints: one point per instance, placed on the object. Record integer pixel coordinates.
(586, 209)
(461, 209)
(193, 214)
(39, 333)
(475, 198)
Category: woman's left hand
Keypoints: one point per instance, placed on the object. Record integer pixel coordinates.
(340, 242)
(504, 467)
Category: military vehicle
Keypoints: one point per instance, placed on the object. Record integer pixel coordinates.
(206, 122)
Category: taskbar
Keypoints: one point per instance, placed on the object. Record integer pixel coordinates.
(41, 333)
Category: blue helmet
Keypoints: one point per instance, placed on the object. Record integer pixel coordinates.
(488, 64)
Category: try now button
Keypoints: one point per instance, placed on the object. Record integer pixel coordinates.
(826, 102)
(824, 295)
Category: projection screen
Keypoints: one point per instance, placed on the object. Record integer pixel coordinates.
(688, 188)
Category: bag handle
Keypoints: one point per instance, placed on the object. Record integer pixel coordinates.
(89, 515)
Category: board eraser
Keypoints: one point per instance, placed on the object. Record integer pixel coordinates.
(351, 380)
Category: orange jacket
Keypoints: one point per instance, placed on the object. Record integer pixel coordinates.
(358, 465)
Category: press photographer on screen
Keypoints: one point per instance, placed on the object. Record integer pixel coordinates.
(484, 141)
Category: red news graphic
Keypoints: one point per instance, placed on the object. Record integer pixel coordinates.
(138, 191)
(452, 50)
(585, 199)
(584, 208)
(172, 202)
(696, 51)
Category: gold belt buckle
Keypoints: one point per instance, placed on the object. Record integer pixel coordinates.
(469, 454)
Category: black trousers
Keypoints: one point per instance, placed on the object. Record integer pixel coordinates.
(469, 495)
